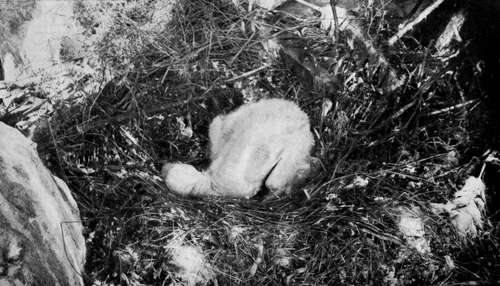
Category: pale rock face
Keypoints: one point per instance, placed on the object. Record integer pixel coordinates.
(52, 21)
(10, 68)
(41, 232)
(49, 38)
(264, 143)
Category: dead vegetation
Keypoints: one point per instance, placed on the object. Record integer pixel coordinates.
(380, 152)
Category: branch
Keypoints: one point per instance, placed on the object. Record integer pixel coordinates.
(249, 73)
(410, 25)
(451, 108)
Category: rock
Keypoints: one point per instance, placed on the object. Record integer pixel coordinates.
(41, 34)
(41, 241)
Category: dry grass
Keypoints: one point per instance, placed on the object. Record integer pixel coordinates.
(109, 149)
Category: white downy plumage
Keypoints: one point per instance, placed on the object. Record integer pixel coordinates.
(192, 266)
(266, 4)
(413, 228)
(466, 208)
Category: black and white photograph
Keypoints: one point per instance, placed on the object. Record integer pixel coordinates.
(249, 142)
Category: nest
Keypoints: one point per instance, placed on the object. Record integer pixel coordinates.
(110, 147)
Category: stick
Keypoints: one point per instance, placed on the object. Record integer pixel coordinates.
(310, 5)
(241, 49)
(249, 73)
(333, 4)
(410, 25)
(447, 109)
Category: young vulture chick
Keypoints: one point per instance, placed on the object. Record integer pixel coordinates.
(263, 143)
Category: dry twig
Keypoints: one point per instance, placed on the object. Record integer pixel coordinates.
(410, 25)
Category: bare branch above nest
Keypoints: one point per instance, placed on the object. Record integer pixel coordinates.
(411, 24)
